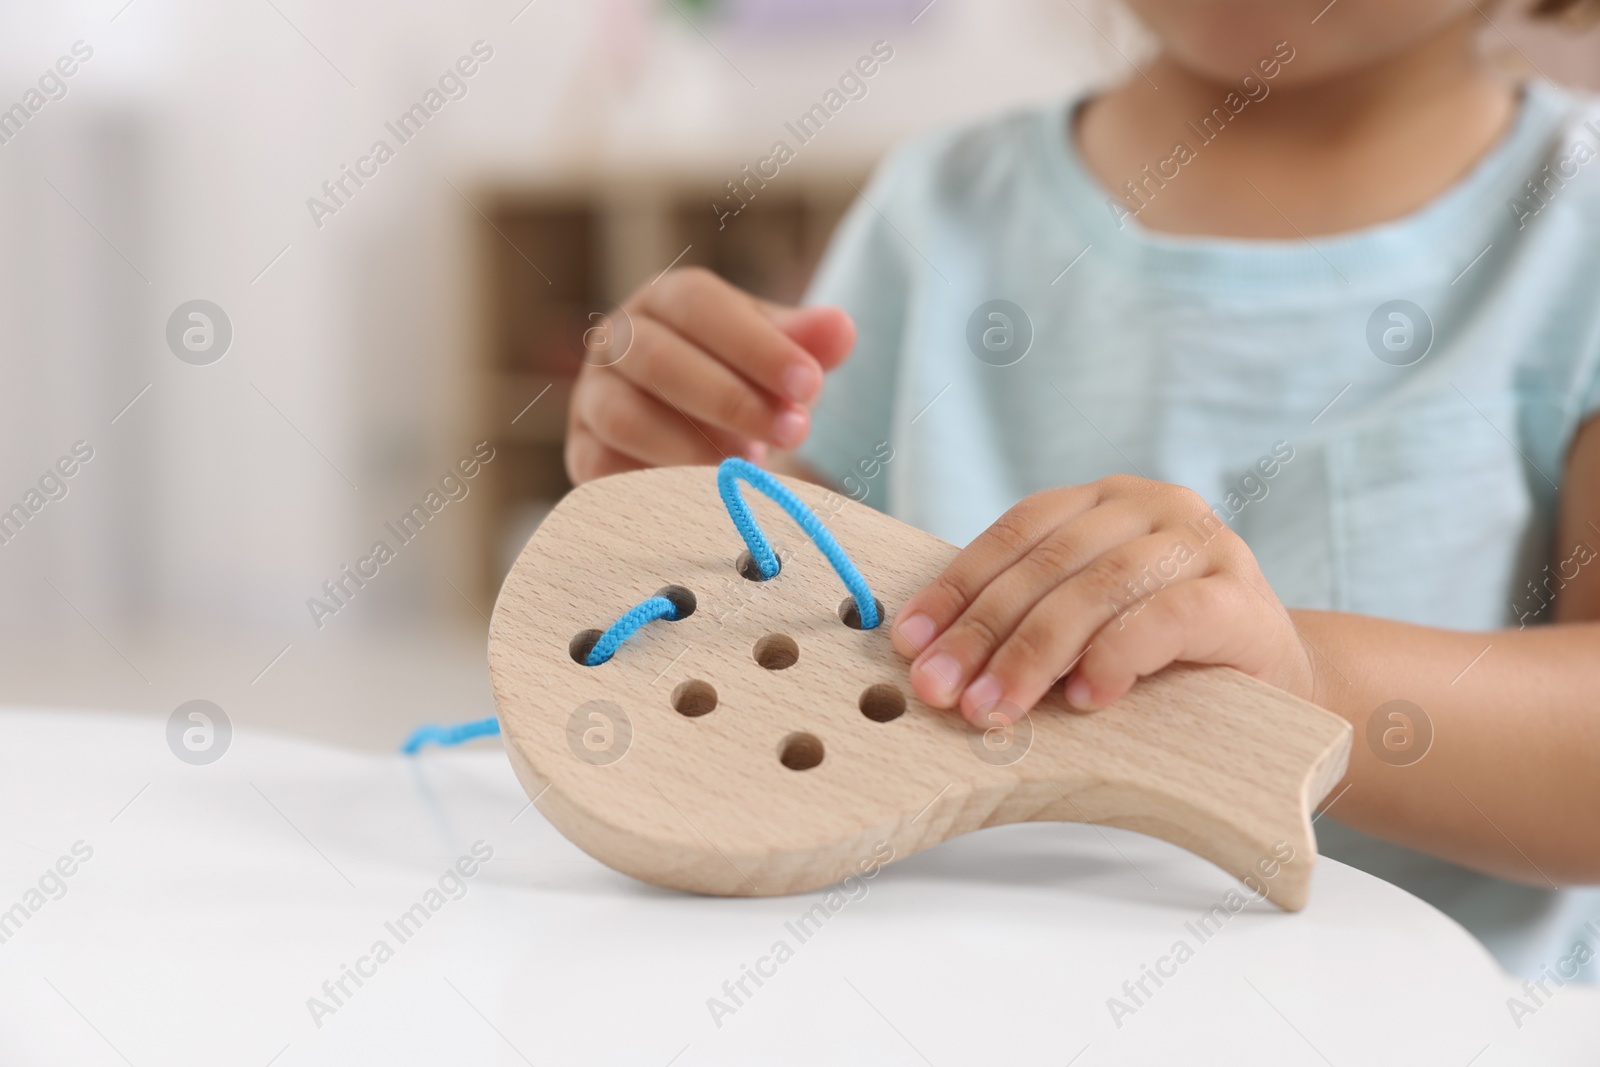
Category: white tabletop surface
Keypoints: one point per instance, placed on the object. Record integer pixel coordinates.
(218, 899)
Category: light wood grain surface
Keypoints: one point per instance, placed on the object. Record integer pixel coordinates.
(709, 800)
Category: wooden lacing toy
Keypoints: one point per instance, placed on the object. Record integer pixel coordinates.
(740, 730)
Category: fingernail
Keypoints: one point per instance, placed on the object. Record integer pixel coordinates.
(801, 382)
(944, 672)
(917, 630)
(756, 452)
(789, 429)
(984, 692)
(1079, 694)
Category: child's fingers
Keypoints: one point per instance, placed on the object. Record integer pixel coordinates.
(944, 666)
(929, 612)
(633, 423)
(1046, 642)
(1209, 620)
(683, 376)
(826, 332)
(727, 324)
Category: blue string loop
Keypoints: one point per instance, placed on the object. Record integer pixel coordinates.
(733, 471)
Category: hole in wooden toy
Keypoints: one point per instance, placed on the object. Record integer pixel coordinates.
(800, 752)
(694, 698)
(777, 651)
(850, 614)
(883, 702)
(681, 599)
(751, 570)
(582, 644)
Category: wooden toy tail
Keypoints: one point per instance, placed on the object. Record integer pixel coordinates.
(1206, 758)
(1242, 792)
(1272, 853)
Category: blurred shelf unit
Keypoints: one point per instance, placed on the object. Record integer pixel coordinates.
(557, 252)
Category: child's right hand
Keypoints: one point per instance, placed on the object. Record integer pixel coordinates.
(711, 372)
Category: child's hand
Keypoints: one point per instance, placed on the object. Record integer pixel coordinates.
(1112, 581)
(711, 372)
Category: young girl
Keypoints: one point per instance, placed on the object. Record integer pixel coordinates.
(1282, 354)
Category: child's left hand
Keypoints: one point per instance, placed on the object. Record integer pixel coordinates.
(1111, 581)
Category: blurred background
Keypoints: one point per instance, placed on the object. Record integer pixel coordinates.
(363, 334)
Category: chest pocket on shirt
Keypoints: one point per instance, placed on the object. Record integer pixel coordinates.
(1431, 517)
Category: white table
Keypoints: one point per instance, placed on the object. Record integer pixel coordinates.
(219, 898)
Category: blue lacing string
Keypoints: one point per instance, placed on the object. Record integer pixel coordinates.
(657, 607)
(450, 735)
(729, 475)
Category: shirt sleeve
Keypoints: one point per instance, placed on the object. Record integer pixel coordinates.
(865, 272)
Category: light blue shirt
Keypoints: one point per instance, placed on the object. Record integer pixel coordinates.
(1415, 449)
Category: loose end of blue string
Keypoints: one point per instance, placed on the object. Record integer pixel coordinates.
(657, 607)
(445, 736)
(729, 474)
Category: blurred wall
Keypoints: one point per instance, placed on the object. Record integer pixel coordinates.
(177, 166)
